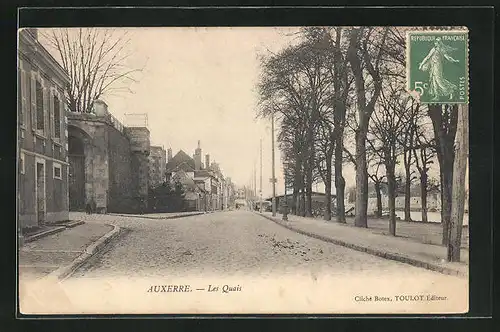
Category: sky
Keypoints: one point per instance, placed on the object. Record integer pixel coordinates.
(200, 84)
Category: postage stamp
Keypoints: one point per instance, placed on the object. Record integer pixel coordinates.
(437, 66)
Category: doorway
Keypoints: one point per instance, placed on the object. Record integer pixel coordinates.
(40, 193)
(76, 174)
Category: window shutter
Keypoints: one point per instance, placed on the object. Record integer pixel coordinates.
(24, 91)
(51, 126)
(62, 115)
(33, 101)
(46, 111)
(20, 95)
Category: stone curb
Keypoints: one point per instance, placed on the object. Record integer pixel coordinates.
(375, 252)
(52, 231)
(74, 223)
(65, 272)
(44, 234)
(166, 217)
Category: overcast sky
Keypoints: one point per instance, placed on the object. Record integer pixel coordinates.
(200, 84)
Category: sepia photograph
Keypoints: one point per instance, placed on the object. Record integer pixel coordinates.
(243, 170)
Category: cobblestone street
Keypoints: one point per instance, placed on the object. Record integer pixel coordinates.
(230, 244)
(208, 253)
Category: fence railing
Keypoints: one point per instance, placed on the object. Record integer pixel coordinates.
(116, 123)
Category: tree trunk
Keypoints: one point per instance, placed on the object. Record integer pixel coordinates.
(458, 189)
(391, 188)
(446, 203)
(378, 192)
(303, 202)
(309, 180)
(361, 205)
(328, 189)
(444, 125)
(294, 199)
(407, 193)
(423, 196)
(328, 202)
(339, 180)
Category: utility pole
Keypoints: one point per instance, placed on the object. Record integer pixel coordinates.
(273, 175)
(260, 191)
(254, 179)
(458, 187)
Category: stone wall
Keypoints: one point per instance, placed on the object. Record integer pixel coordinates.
(116, 161)
(139, 147)
(94, 133)
(121, 189)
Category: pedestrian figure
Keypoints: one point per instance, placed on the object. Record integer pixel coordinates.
(88, 208)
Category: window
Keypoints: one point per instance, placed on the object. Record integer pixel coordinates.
(57, 171)
(20, 95)
(21, 163)
(57, 117)
(40, 121)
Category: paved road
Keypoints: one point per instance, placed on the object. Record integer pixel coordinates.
(231, 244)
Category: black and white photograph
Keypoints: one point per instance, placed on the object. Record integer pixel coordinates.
(243, 170)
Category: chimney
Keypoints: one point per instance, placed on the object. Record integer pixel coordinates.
(169, 154)
(197, 158)
(207, 161)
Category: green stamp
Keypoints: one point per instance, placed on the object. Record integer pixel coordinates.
(437, 66)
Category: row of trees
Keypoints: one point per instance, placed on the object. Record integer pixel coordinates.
(339, 95)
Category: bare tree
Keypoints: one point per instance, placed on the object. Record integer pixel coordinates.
(297, 79)
(96, 61)
(378, 181)
(424, 157)
(386, 126)
(365, 55)
(444, 122)
(342, 83)
(407, 139)
(458, 189)
(324, 158)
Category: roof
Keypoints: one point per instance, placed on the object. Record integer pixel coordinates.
(182, 161)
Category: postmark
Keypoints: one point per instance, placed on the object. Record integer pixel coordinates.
(437, 66)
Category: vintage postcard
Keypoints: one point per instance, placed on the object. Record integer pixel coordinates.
(243, 170)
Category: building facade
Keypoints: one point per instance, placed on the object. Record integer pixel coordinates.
(42, 135)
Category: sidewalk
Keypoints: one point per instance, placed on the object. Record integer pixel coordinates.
(428, 233)
(371, 241)
(173, 215)
(58, 251)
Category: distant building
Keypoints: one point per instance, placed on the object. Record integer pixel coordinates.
(157, 166)
(208, 192)
(42, 135)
